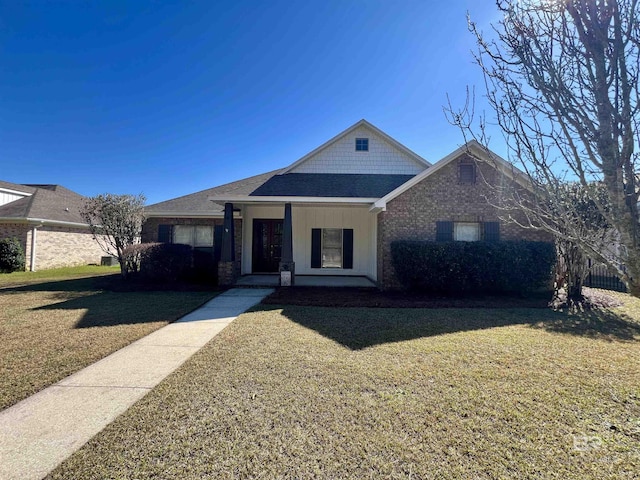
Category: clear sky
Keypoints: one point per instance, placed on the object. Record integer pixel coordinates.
(169, 98)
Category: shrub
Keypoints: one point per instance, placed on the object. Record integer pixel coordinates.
(165, 262)
(461, 267)
(11, 255)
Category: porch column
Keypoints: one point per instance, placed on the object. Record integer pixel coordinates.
(228, 268)
(228, 251)
(287, 266)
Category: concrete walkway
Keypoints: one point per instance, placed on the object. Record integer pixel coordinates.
(40, 432)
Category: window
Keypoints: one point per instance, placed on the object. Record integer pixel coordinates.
(332, 248)
(466, 173)
(194, 235)
(362, 144)
(467, 231)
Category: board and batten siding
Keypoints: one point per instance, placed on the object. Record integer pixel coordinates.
(6, 197)
(306, 218)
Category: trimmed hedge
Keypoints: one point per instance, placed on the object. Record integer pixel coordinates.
(11, 255)
(480, 267)
(165, 262)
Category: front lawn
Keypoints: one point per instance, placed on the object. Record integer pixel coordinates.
(314, 392)
(60, 321)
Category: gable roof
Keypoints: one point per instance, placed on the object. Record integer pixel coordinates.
(477, 151)
(283, 184)
(198, 204)
(330, 185)
(362, 123)
(55, 204)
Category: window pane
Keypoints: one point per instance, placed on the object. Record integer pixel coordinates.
(183, 234)
(466, 232)
(204, 236)
(467, 173)
(362, 144)
(332, 248)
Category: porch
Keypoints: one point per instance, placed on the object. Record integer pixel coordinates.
(305, 281)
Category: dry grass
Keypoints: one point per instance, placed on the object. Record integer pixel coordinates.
(313, 392)
(54, 328)
(66, 273)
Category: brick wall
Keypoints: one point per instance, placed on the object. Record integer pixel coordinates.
(65, 247)
(150, 228)
(440, 197)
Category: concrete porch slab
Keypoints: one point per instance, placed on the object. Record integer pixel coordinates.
(306, 281)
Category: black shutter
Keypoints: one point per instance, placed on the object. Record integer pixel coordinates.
(491, 231)
(164, 233)
(316, 248)
(444, 231)
(217, 242)
(347, 248)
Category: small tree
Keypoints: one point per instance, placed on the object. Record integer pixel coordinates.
(11, 255)
(116, 224)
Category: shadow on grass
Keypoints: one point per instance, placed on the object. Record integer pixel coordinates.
(107, 309)
(359, 328)
(113, 283)
(108, 300)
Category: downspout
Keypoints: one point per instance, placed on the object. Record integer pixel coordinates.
(32, 262)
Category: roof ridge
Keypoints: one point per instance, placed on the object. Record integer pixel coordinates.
(32, 197)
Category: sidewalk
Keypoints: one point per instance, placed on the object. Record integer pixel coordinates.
(40, 432)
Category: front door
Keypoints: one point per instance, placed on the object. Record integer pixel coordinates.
(267, 245)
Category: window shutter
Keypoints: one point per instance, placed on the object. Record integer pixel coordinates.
(444, 231)
(491, 231)
(164, 233)
(316, 248)
(217, 242)
(347, 248)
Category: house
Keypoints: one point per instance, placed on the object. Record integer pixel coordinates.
(336, 210)
(46, 221)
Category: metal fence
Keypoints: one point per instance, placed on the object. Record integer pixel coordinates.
(600, 277)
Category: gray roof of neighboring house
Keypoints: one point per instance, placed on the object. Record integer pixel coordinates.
(199, 203)
(17, 187)
(46, 202)
(330, 185)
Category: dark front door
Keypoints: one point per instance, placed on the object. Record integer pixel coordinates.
(267, 245)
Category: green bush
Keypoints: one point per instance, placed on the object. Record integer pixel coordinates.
(165, 262)
(11, 255)
(455, 268)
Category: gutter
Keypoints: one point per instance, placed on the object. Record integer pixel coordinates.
(42, 222)
(184, 214)
(244, 199)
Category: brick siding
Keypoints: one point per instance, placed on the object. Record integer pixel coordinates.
(413, 214)
(55, 246)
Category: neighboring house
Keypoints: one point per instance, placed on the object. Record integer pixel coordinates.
(46, 221)
(337, 209)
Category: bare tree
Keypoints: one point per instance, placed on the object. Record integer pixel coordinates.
(562, 79)
(116, 223)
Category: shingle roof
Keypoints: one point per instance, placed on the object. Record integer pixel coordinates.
(330, 185)
(54, 203)
(17, 187)
(199, 203)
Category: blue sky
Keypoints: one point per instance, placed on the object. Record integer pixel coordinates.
(168, 98)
